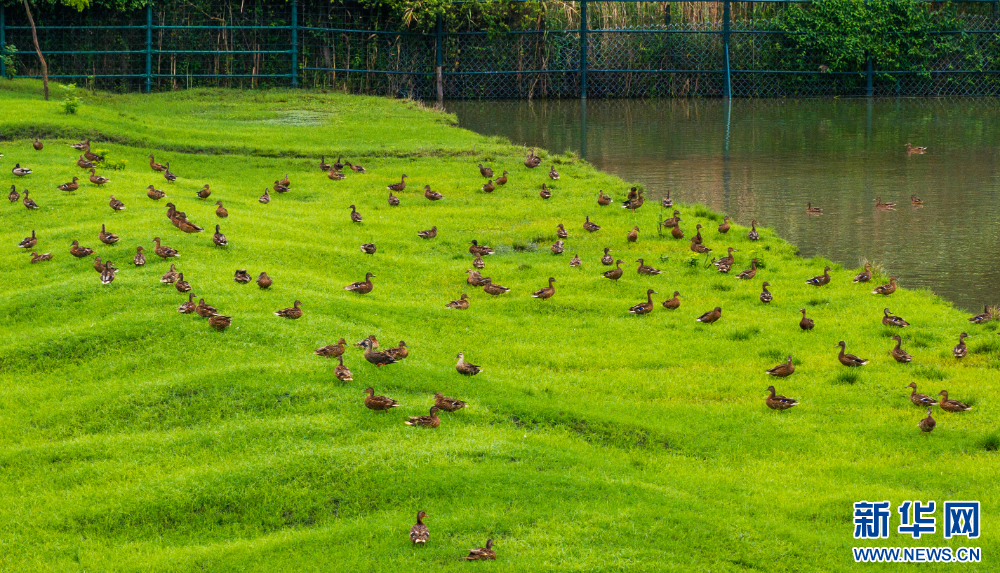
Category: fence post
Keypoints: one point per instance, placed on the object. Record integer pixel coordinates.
(869, 89)
(583, 49)
(439, 58)
(3, 43)
(149, 47)
(295, 43)
(727, 90)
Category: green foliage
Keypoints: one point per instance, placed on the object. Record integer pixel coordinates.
(7, 55)
(70, 101)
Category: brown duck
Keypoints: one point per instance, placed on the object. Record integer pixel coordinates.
(494, 289)
(28, 242)
(865, 275)
(634, 235)
(279, 188)
(264, 281)
(779, 402)
(98, 179)
(182, 285)
(71, 186)
(154, 193)
(676, 232)
(482, 553)
(447, 404)
(644, 307)
(590, 227)
(221, 211)
(478, 262)
(545, 193)
(189, 306)
(343, 373)
(889, 320)
(575, 261)
(378, 358)
(898, 353)
(378, 403)
(116, 205)
(557, 247)
(242, 276)
(398, 186)
(368, 248)
(355, 216)
(106, 237)
(849, 359)
(607, 259)
(783, 369)
(960, 349)
(489, 187)
(164, 251)
(170, 276)
(293, 312)
(672, 303)
(697, 234)
(475, 279)
(168, 175)
(79, 252)
(82, 163)
(602, 199)
(362, 287)
(615, 273)
(218, 238)
(36, 258)
(561, 231)
(393, 200)
(13, 196)
(645, 269)
(265, 198)
(28, 202)
(749, 273)
(806, 323)
(765, 295)
(920, 399)
(219, 322)
(951, 405)
(820, 280)
(204, 309)
(886, 289)
(461, 304)
(502, 180)
(546, 292)
(711, 316)
(139, 259)
(156, 166)
(486, 172)
(724, 227)
(205, 192)
(399, 352)
(480, 250)
(466, 368)
(982, 317)
(335, 175)
(432, 195)
(752, 234)
(428, 234)
(37, 145)
(927, 424)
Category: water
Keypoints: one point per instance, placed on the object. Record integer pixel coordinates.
(765, 159)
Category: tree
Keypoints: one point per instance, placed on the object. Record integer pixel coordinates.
(79, 5)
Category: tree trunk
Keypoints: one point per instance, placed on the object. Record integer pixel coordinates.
(34, 36)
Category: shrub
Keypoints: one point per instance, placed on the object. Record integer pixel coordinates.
(70, 102)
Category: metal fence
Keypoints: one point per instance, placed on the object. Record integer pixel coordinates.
(595, 48)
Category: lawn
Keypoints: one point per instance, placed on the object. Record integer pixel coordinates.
(136, 438)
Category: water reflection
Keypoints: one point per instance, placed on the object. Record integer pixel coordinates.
(765, 159)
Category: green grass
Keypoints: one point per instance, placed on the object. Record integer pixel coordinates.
(135, 438)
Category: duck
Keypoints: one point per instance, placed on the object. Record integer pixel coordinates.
(285, 182)
(960, 349)
(108, 273)
(368, 248)
(332, 350)
(502, 180)
(914, 149)
(727, 260)
(393, 200)
(561, 231)
(545, 193)
(489, 187)
(494, 289)
(84, 164)
(886, 289)
(432, 195)
(399, 352)
(335, 175)
(697, 234)
(749, 273)
(355, 216)
(477, 249)
(418, 533)
(36, 258)
(461, 304)
(607, 259)
(79, 252)
(378, 403)
(632, 194)
(28, 202)
(182, 285)
(644, 307)
(279, 188)
(898, 353)
(865, 275)
(980, 318)
(220, 322)
(20, 171)
(725, 226)
(370, 339)
(532, 161)
(28, 242)
(221, 212)
(37, 144)
(362, 287)
(673, 303)
(466, 368)
(752, 234)
(264, 281)
(265, 198)
(672, 221)
(377, 357)
(676, 232)
(779, 402)
(590, 227)
(553, 174)
(635, 202)
(602, 199)
(154, 193)
(849, 359)
(204, 309)
(813, 210)
(355, 168)
(170, 276)
(242, 276)
(806, 323)
(782, 370)
(927, 424)
(13, 196)
(951, 405)
(115, 204)
(546, 292)
(476, 279)
(341, 372)
(139, 259)
(447, 403)
(557, 247)
(914, 200)
(575, 261)
(634, 235)
(482, 553)
(71, 186)
(920, 399)
(106, 237)
(722, 265)
(98, 179)
(399, 186)
(163, 251)
(645, 269)
(700, 249)
(765, 295)
(91, 156)
(81, 145)
(478, 262)
(884, 206)
(338, 164)
(204, 192)
(218, 238)
(667, 202)
(156, 166)
(323, 165)
(615, 273)
(486, 172)
(98, 265)
(710, 316)
(428, 234)
(820, 280)
(293, 312)
(889, 320)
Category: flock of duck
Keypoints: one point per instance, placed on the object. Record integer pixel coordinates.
(635, 199)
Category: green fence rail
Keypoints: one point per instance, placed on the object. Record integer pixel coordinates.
(349, 46)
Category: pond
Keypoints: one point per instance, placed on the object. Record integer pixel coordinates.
(766, 159)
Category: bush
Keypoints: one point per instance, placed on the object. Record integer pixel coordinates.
(7, 55)
(70, 103)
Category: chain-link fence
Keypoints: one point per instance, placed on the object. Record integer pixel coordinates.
(587, 48)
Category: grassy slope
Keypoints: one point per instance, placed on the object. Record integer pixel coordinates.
(134, 438)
